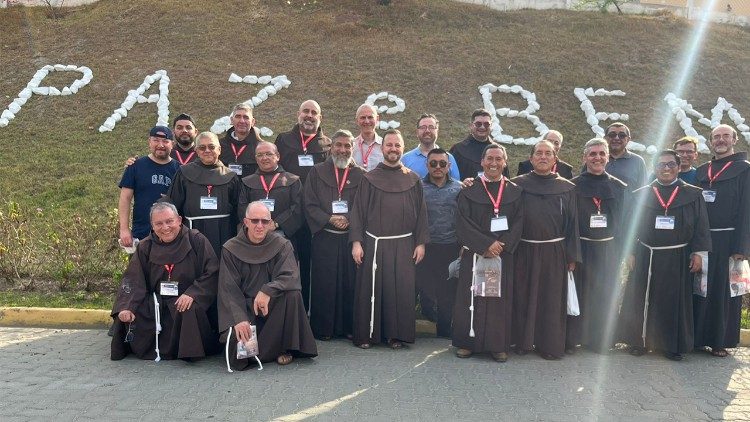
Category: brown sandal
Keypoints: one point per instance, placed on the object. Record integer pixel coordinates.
(722, 353)
(395, 344)
(284, 359)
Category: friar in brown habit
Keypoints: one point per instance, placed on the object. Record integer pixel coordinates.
(549, 249)
(259, 285)
(388, 231)
(169, 285)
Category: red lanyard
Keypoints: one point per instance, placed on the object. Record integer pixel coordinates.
(237, 153)
(340, 184)
(711, 177)
(209, 187)
(266, 187)
(366, 157)
(554, 167)
(185, 161)
(169, 268)
(661, 200)
(306, 141)
(598, 203)
(495, 201)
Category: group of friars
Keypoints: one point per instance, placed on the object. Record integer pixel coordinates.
(263, 247)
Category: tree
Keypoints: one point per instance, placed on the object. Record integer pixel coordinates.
(602, 5)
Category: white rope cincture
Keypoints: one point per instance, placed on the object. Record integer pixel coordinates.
(226, 350)
(337, 231)
(725, 229)
(648, 282)
(157, 316)
(374, 268)
(204, 217)
(471, 289)
(559, 239)
(606, 239)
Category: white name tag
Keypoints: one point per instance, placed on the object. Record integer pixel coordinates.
(269, 203)
(305, 160)
(237, 168)
(499, 224)
(209, 203)
(664, 222)
(709, 195)
(598, 221)
(340, 207)
(168, 288)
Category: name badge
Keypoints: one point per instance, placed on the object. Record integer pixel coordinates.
(269, 203)
(598, 221)
(237, 168)
(709, 195)
(168, 288)
(664, 222)
(305, 160)
(340, 207)
(209, 203)
(499, 224)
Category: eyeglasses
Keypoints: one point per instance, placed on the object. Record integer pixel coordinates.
(210, 147)
(442, 164)
(425, 127)
(668, 165)
(722, 136)
(613, 135)
(256, 221)
(684, 152)
(265, 154)
(480, 125)
(130, 335)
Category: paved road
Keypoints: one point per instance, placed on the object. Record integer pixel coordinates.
(67, 375)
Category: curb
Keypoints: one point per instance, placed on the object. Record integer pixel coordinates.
(744, 337)
(54, 317)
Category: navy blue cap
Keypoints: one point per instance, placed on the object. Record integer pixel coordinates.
(161, 132)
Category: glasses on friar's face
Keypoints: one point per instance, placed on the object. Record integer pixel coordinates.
(210, 147)
(130, 334)
(435, 164)
(426, 127)
(263, 221)
(479, 125)
(668, 165)
(613, 135)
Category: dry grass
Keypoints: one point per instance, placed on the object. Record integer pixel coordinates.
(432, 53)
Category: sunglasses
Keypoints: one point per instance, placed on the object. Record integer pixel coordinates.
(613, 135)
(435, 164)
(479, 125)
(129, 335)
(669, 165)
(256, 221)
(210, 147)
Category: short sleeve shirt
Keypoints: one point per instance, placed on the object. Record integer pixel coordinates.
(149, 180)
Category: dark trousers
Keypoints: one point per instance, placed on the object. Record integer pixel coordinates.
(437, 293)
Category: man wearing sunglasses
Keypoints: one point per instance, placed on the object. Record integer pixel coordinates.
(560, 167)
(259, 285)
(468, 152)
(428, 127)
(672, 233)
(436, 294)
(623, 164)
(726, 188)
(388, 230)
(238, 145)
(205, 193)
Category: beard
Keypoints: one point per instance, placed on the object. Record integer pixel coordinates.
(341, 162)
(185, 142)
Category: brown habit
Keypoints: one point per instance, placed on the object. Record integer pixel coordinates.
(389, 202)
(269, 267)
(541, 277)
(184, 335)
(286, 193)
(492, 315)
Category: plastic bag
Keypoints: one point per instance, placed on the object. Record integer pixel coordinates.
(700, 280)
(249, 348)
(739, 277)
(573, 308)
(487, 276)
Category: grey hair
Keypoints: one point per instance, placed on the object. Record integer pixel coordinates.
(594, 142)
(552, 132)
(210, 135)
(242, 106)
(370, 106)
(256, 204)
(342, 133)
(161, 206)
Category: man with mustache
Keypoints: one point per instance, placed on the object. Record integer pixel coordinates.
(726, 189)
(367, 153)
(468, 153)
(560, 167)
(185, 132)
(549, 248)
(238, 145)
(328, 197)
(623, 164)
(388, 230)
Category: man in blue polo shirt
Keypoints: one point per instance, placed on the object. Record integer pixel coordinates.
(428, 127)
(143, 183)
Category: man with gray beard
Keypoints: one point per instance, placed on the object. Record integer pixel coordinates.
(328, 197)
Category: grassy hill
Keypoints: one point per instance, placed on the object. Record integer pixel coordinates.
(432, 53)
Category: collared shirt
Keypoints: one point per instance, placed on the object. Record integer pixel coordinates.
(630, 168)
(361, 149)
(416, 160)
(442, 207)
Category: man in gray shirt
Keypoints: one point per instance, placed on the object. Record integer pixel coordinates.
(436, 293)
(623, 164)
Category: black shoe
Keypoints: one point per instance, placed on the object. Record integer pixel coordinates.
(673, 356)
(637, 351)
